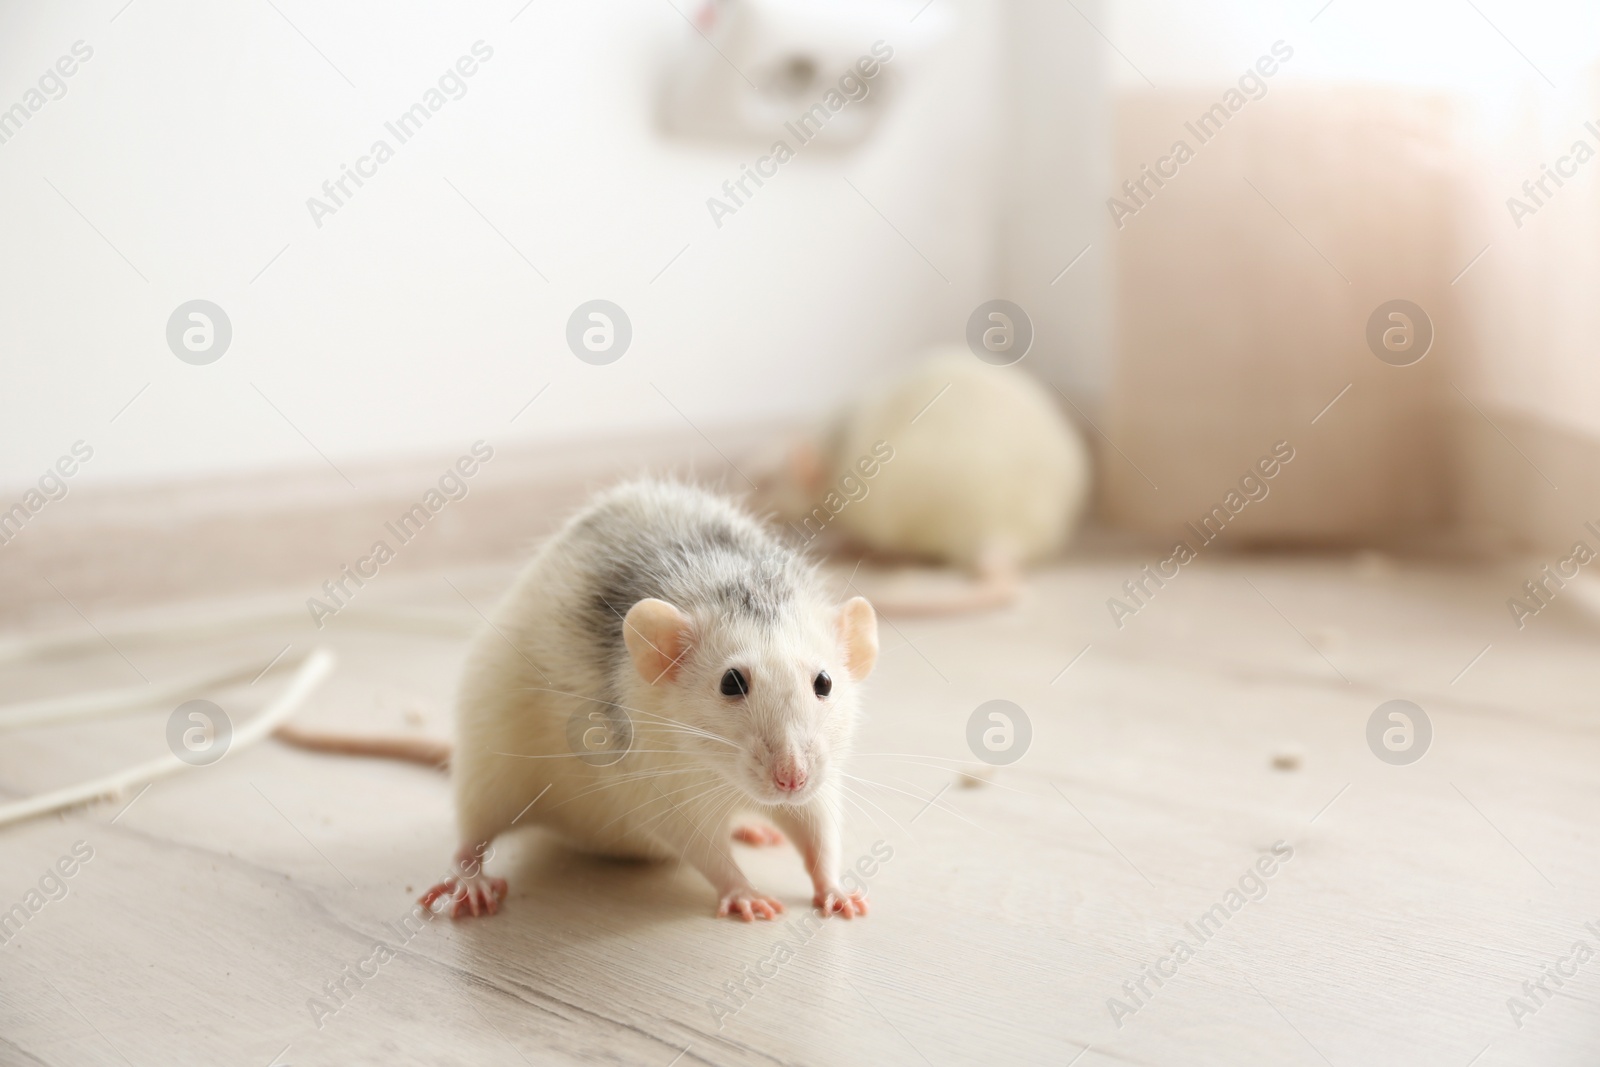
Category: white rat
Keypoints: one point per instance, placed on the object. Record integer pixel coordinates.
(958, 462)
(660, 663)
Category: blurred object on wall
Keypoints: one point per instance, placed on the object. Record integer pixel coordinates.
(958, 463)
(758, 69)
(1259, 233)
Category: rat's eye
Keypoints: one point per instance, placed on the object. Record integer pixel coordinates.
(822, 685)
(734, 684)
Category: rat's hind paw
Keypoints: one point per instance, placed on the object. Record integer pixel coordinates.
(478, 895)
(837, 902)
(749, 905)
(756, 834)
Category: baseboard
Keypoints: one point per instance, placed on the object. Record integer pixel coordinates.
(118, 549)
(1518, 484)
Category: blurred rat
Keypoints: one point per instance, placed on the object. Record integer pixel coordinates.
(662, 661)
(959, 463)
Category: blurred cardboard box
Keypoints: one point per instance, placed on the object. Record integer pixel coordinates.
(1245, 280)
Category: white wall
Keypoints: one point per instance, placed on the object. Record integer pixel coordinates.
(193, 137)
(1433, 43)
(1057, 168)
(1533, 295)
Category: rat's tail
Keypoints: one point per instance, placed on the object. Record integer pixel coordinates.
(988, 593)
(997, 583)
(430, 751)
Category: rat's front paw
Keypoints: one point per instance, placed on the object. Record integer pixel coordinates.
(749, 905)
(836, 901)
(478, 895)
(757, 835)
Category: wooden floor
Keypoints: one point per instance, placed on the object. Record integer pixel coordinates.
(1417, 901)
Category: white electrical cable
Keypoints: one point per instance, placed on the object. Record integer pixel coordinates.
(433, 624)
(120, 701)
(311, 674)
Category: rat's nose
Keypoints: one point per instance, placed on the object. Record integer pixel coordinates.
(789, 775)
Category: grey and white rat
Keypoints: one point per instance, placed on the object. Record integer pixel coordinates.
(661, 663)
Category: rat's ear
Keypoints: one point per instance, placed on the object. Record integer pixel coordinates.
(657, 635)
(857, 626)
